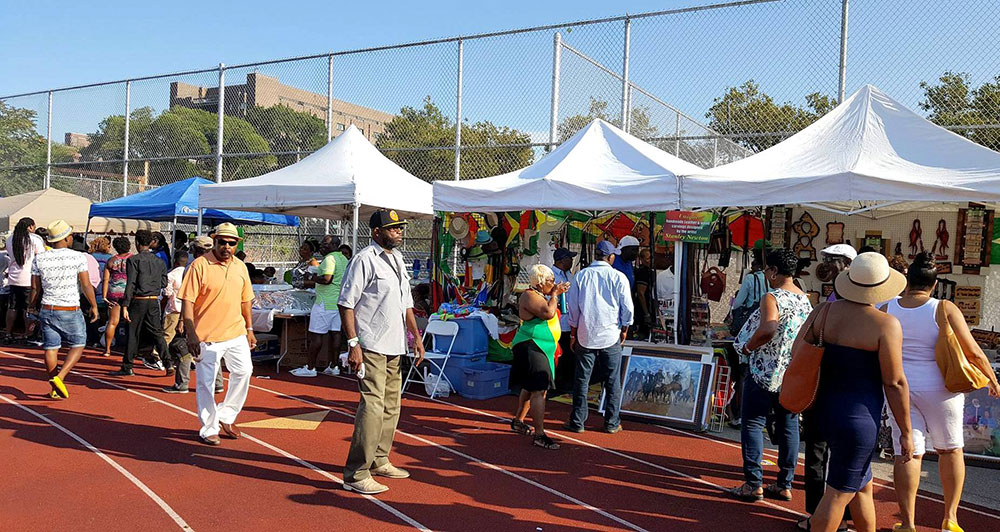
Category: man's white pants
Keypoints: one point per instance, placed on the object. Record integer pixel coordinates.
(236, 353)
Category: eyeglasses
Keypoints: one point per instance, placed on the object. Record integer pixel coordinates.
(227, 243)
(395, 229)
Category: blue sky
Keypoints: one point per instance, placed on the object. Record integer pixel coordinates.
(791, 48)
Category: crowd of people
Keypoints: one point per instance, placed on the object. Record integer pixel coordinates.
(879, 330)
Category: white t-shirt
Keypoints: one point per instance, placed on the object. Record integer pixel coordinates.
(21, 275)
(60, 270)
(174, 278)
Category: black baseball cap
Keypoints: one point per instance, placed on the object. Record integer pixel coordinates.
(563, 253)
(385, 219)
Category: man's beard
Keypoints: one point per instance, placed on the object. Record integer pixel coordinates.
(387, 243)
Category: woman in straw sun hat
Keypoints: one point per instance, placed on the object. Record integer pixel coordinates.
(862, 360)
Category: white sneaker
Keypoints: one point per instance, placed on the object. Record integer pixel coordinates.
(389, 471)
(332, 371)
(368, 486)
(304, 371)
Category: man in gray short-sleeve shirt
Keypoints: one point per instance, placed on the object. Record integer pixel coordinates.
(376, 310)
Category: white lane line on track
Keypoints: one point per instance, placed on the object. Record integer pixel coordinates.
(615, 453)
(482, 463)
(683, 433)
(132, 478)
(385, 506)
(801, 462)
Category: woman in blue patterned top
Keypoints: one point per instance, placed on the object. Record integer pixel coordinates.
(766, 342)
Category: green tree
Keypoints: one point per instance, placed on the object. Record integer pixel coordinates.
(954, 104)
(639, 125)
(757, 122)
(20, 145)
(287, 130)
(408, 135)
(184, 136)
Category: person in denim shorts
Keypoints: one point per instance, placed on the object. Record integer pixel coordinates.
(56, 278)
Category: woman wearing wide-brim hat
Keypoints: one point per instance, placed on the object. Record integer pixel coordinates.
(862, 363)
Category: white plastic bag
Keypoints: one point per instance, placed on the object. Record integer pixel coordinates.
(443, 390)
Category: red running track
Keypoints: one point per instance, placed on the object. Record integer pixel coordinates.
(121, 455)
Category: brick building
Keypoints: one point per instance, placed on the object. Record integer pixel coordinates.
(266, 91)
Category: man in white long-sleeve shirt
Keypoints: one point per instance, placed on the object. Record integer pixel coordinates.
(600, 312)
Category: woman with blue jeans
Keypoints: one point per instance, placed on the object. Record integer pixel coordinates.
(766, 343)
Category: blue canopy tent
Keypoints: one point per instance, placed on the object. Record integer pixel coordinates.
(178, 202)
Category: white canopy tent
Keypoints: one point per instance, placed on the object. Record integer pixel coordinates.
(601, 168)
(869, 153)
(341, 180)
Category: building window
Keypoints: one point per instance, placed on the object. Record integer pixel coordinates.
(341, 127)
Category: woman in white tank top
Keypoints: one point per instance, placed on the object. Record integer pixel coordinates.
(936, 413)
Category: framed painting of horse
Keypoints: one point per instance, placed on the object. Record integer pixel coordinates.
(668, 383)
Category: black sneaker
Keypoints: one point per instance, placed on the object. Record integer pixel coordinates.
(613, 430)
(220, 390)
(122, 373)
(174, 389)
(153, 365)
(572, 428)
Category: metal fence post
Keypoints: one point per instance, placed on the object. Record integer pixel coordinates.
(221, 128)
(48, 146)
(556, 62)
(628, 36)
(843, 53)
(458, 114)
(677, 136)
(125, 155)
(329, 98)
(715, 153)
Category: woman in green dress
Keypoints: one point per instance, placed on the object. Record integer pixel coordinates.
(535, 351)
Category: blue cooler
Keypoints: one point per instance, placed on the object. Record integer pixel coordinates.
(484, 380)
(472, 339)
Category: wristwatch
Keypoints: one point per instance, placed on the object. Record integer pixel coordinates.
(353, 342)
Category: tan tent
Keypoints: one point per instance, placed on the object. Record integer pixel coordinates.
(47, 206)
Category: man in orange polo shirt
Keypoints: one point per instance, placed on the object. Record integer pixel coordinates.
(217, 298)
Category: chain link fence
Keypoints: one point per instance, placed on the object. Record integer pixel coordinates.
(710, 83)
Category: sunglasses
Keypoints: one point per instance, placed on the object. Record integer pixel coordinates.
(227, 243)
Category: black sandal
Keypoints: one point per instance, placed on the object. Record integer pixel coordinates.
(745, 493)
(521, 427)
(774, 492)
(542, 440)
(806, 525)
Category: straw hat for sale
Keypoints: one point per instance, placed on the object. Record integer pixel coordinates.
(869, 280)
(458, 228)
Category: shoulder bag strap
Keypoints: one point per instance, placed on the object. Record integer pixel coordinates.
(822, 327)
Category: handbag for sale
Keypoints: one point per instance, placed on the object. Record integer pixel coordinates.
(801, 381)
(713, 283)
(960, 376)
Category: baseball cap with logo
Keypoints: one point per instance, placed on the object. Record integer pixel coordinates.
(385, 219)
(227, 230)
(840, 250)
(58, 231)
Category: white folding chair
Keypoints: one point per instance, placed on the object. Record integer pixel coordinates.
(435, 357)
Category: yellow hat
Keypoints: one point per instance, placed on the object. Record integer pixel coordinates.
(58, 231)
(227, 230)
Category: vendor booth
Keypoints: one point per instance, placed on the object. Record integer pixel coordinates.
(343, 180)
(49, 205)
(870, 173)
(600, 184)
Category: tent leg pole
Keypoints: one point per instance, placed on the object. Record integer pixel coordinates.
(354, 238)
(173, 235)
(678, 262)
(86, 232)
(200, 212)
